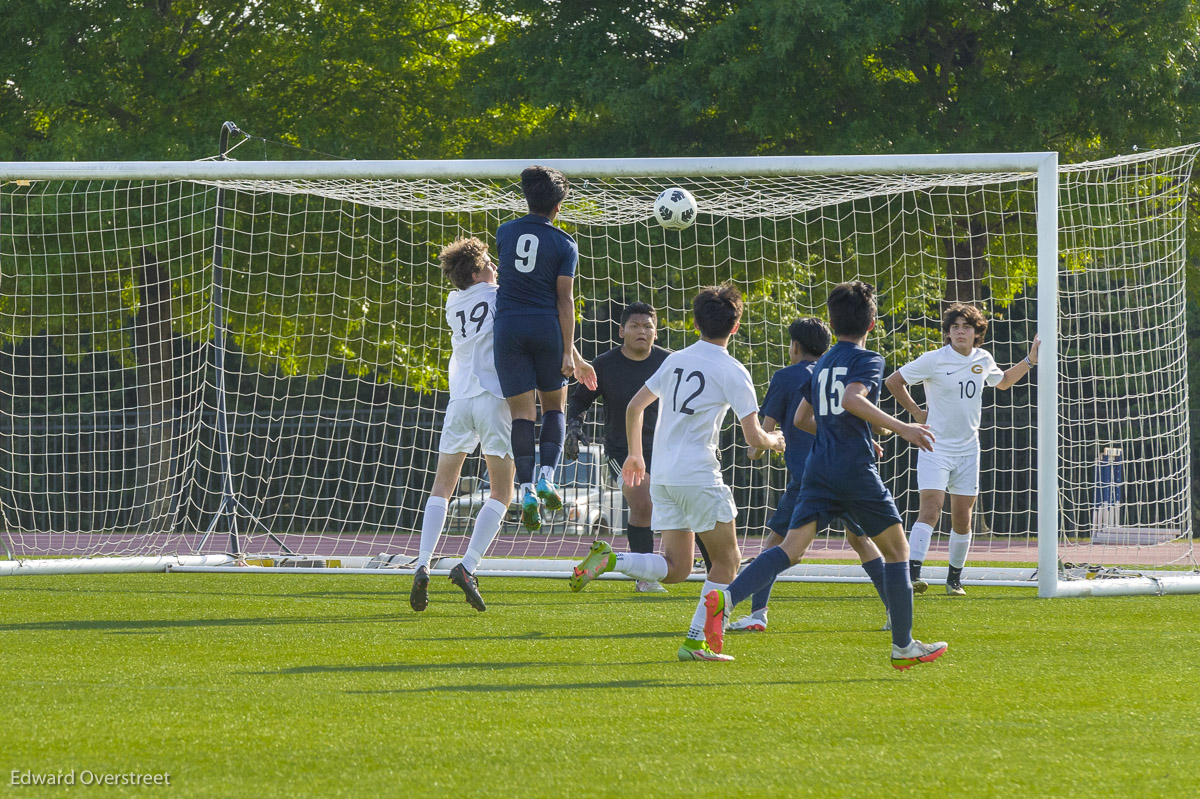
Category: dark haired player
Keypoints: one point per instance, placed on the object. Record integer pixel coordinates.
(841, 479)
(695, 388)
(620, 372)
(954, 376)
(534, 334)
(809, 341)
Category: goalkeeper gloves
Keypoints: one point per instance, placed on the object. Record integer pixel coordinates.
(575, 439)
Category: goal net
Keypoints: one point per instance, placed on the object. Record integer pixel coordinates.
(234, 362)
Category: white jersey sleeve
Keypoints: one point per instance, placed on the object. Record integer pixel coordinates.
(922, 368)
(471, 313)
(739, 390)
(993, 374)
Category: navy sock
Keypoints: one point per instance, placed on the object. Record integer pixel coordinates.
(898, 588)
(641, 539)
(762, 571)
(554, 432)
(874, 570)
(762, 596)
(522, 446)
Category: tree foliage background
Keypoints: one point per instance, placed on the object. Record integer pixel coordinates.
(115, 79)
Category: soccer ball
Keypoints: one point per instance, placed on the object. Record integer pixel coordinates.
(675, 208)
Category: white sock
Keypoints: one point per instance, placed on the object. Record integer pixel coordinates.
(431, 529)
(642, 565)
(918, 541)
(526, 488)
(547, 472)
(487, 524)
(696, 630)
(959, 546)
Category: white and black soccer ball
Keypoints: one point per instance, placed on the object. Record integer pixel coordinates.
(675, 208)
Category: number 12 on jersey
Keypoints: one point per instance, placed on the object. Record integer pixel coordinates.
(830, 390)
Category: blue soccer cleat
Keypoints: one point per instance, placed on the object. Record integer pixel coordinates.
(531, 512)
(548, 492)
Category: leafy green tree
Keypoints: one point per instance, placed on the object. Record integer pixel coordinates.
(825, 76)
(110, 79)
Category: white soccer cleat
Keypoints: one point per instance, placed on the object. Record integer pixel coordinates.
(749, 624)
(649, 587)
(916, 653)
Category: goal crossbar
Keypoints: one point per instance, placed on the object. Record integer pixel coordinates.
(1030, 162)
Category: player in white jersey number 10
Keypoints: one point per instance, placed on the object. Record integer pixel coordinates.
(954, 377)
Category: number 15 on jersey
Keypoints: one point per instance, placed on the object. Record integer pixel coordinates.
(830, 391)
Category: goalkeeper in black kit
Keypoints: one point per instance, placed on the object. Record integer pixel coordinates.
(620, 373)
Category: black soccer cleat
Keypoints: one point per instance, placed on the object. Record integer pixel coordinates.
(469, 585)
(419, 596)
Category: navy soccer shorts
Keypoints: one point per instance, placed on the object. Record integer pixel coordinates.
(863, 503)
(529, 353)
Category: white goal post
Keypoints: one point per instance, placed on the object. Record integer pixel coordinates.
(240, 364)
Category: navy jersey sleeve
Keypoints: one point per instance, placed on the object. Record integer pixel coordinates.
(866, 369)
(804, 387)
(570, 259)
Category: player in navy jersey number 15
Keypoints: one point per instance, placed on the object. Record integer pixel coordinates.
(534, 334)
(810, 340)
(841, 478)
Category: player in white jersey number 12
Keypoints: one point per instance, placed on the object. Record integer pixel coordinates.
(954, 376)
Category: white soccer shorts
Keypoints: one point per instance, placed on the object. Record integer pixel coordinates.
(954, 474)
(484, 418)
(695, 508)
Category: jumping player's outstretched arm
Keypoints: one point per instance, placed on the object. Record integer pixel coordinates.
(1021, 367)
(634, 469)
(566, 322)
(584, 372)
(856, 402)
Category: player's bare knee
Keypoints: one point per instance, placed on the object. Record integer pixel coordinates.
(677, 572)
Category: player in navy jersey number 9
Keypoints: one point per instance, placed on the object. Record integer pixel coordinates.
(840, 478)
(534, 334)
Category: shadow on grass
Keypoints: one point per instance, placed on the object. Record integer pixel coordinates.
(609, 685)
(409, 668)
(131, 626)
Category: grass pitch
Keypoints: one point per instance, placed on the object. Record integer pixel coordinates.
(287, 685)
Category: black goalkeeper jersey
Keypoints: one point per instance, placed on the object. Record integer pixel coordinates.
(618, 378)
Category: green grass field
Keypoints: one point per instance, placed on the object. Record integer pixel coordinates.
(270, 685)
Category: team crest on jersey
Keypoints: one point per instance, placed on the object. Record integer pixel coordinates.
(977, 368)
